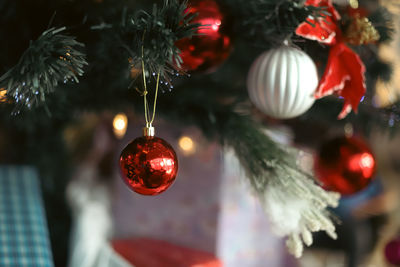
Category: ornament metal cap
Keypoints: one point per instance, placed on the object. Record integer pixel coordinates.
(148, 131)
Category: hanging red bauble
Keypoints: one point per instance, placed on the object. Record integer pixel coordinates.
(148, 165)
(207, 50)
(345, 165)
(392, 252)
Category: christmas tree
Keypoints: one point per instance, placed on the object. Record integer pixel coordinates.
(231, 68)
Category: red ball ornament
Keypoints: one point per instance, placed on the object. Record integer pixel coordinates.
(206, 51)
(345, 165)
(392, 252)
(148, 165)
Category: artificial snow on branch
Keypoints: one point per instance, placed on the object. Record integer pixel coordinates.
(296, 205)
(51, 59)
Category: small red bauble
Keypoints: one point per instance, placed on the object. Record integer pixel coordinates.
(206, 51)
(392, 252)
(148, 165)
(345, 165)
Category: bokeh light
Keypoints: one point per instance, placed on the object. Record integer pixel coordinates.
(187, 145)
(120, 124)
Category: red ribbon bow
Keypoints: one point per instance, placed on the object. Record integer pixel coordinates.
(344, 72)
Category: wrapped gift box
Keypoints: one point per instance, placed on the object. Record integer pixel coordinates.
(144, 252)
(24, 237)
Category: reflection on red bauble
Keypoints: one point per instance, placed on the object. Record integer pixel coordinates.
(206, 51)
(345, 165)
(148, 165)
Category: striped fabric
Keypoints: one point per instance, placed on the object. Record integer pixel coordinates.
(24, 238)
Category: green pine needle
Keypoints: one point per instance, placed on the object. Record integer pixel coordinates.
(158, 32)
(52, 59)
(270, 22)
(382, 20)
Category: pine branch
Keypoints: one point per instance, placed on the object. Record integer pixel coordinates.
(51, 59)
(269, 22)
(282, 187)
(273, 172)
(378, 69)
(157, 33)
(382, 20)
(368, 117)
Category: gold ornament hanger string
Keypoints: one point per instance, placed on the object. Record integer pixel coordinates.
(147, 116)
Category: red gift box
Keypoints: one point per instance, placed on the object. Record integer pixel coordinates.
(143, 252)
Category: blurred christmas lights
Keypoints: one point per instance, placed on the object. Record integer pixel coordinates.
(3, 97)
(187, 145)
(120, 124)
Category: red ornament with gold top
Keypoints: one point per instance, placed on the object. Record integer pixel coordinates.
(207, 50)
(345, 165)
(149, 164)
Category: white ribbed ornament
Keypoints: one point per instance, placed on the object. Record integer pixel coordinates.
(281, 82)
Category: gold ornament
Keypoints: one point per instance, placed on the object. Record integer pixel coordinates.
(353, 3)
(361, 31)
(3, 95)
